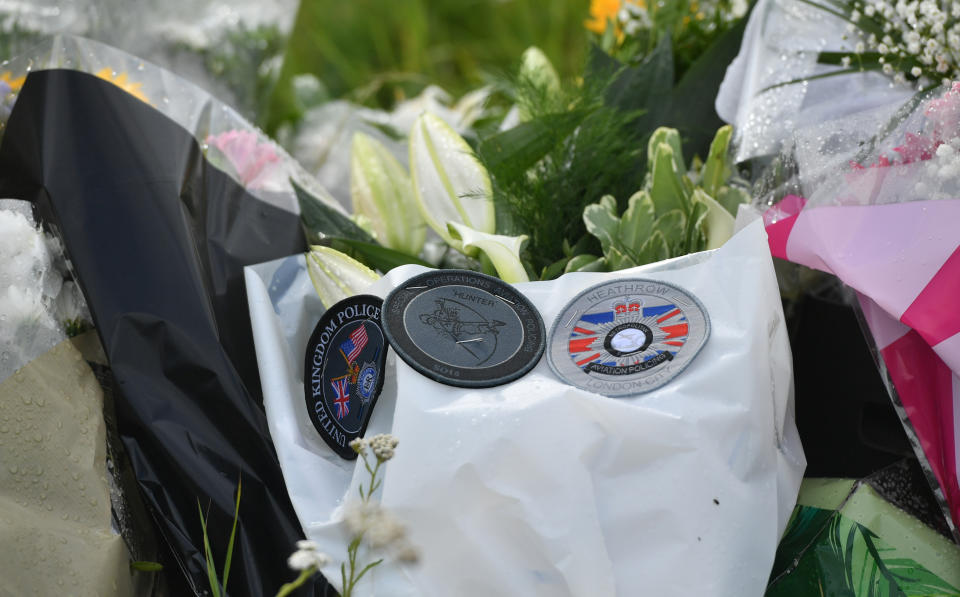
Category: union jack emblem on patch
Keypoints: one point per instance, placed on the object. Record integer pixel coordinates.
(341, 387)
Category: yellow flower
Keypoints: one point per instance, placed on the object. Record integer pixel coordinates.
(14, 83)
(121, 81)
(602, 11)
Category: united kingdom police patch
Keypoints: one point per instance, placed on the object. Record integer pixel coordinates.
(343, 370)
(627, 336)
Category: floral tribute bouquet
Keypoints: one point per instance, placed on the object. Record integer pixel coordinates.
(533, 485)
(134, 201)
(879, 216)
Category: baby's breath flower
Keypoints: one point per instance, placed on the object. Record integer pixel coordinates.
(845, 62)
(304, 558)
(358, 445)
(916, 71)
(383, 446)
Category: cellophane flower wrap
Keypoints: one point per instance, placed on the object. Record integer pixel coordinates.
(880, 213)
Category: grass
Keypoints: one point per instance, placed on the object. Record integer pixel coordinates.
(399, 45)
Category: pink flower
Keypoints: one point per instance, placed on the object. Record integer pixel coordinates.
(944, 112)
(256, 164)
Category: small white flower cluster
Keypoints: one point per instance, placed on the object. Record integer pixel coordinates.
(634, 16)
(918, 40)
(944, 167)
(379, 528)
(382, 445)
(307, 557)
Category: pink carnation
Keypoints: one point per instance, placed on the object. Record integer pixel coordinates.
(255, 162)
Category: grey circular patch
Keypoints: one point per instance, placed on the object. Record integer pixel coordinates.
(463, 328)
(627, 336)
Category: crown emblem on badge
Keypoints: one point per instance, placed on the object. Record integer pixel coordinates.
(626, 308)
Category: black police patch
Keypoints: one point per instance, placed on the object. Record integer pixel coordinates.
(343, 370)
(463, 328)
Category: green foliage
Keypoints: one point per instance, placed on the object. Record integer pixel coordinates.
(324, 225)
(218, 587)
(245, 60)
(76, 326)
(392, 48)
(825, 553)
(672, 215)
(589, 139)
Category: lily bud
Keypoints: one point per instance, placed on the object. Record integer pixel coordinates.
(383, 196)
(449, 182)
(336, 276)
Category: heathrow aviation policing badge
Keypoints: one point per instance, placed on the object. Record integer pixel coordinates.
(463, 328)
(343, 370)
(627, 336)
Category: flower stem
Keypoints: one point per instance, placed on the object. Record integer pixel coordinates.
(297, 582)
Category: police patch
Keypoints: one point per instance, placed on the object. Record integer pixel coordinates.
(463, 328)
(343, 370)
(627, 336)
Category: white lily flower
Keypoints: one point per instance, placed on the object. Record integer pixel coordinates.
(381, 192)
(503, 251)
(336, 276)
(450, 183)
(719, 223)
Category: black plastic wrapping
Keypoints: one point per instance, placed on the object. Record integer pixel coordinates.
(158, 239)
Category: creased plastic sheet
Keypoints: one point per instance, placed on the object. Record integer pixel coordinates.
(54, 494)
(157, 239)
(539, 488)
(780, 44)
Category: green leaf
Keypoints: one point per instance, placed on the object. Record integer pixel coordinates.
(696, 238)
(586, 263)
(666, 188)
(144, 566)
(691, 102)
(602, 222)
(731, 198)
(637, 222)
(378, 257)
(670, 137)
(673, 227)
(655, 249)
(646, 86)
(208, 555)
(321, 220)
(508, 155)
(618, 260)
(717, 170)
(233, 536)
(554, 269)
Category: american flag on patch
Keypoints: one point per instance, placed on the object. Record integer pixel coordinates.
(354, 346)
(341, 388)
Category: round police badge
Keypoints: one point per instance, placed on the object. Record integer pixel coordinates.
(627, 336)
(343, 370)
(463, 328)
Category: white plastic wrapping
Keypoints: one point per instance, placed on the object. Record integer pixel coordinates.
(780, 44)
(539, 488)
